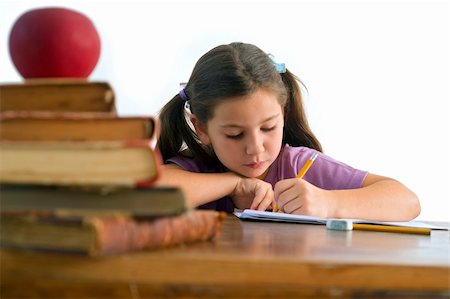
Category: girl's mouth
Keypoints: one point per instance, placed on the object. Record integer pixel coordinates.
(254, 165)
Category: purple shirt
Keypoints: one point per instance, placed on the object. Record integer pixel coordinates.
(325, 173)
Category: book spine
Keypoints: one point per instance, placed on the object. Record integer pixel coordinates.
(120, 234)
(70, 115)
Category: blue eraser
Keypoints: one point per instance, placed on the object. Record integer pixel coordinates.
(339, 224)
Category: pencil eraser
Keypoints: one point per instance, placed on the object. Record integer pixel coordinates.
(339, 224)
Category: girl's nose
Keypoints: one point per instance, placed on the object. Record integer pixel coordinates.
(254, 145)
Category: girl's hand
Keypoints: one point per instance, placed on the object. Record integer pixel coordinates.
(251, 193)
(297, 196)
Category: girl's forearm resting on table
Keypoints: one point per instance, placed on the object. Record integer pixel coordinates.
(199, 188)
(379, 199)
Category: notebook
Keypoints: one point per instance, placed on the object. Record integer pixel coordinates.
(283, 217)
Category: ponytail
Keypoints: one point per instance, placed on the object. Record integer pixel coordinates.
(296, 128)
(173, 128)
(177, 136)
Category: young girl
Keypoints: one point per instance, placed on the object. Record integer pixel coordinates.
(237, 135)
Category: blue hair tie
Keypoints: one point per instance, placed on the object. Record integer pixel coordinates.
(280, 67)
(183, 95)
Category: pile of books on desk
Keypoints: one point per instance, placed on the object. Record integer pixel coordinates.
(76, 177)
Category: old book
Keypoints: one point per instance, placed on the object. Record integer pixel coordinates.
(57, 95)
(106, 235)
(84, 163)
(73, 126)
(147, 201)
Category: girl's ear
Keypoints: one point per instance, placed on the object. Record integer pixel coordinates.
(200, 129)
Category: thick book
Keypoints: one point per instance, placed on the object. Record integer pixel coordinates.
(57, 95)
(73, 126)
(106, 235)
(147, 201)
(84, 163)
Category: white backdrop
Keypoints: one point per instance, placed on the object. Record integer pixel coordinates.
(377, 72)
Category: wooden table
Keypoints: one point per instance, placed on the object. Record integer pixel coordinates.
(250, 260)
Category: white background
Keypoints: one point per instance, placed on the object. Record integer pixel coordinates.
(377, 72)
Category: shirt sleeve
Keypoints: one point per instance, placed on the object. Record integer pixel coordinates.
(184, 163)
(326, 172)
(331, 174)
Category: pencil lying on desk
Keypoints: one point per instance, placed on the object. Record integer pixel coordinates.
(302, 172)
(345, 224)
(392, 229)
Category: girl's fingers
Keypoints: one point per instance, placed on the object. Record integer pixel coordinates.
(267, 201)
(293, 206)
(263, 198)
(286, 196)
(283, 186)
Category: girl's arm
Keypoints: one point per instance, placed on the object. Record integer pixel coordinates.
(379, 198)
(201, 188)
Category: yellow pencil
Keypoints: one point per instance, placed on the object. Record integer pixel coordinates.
(302, 172)
(347, 224)
(392, 229)
(307, 165)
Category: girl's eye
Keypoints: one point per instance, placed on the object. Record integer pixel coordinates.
(236, 136)
(268, 129)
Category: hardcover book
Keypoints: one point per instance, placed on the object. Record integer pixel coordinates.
(106, 235)
(147, 201)
(73, 126)
(57, 95)
(84, 163)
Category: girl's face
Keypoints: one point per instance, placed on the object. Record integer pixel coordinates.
(246, 133)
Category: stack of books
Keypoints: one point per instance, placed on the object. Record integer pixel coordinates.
(76, 177)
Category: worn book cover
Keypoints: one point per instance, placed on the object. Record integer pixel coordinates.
(57, 95)
(73, 126)
(84, 163)
(106, 235)
(146, 201)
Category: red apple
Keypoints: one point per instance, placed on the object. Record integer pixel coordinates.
(54, 42)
